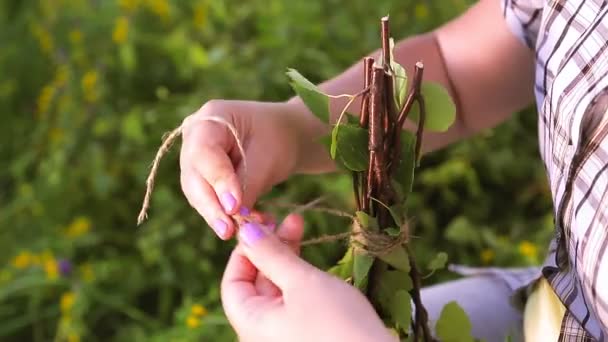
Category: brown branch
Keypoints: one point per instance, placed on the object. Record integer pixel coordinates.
(361, 177)
(415, 95)
(368, 62)
(386, 36)
(376, 131)
(421, 315)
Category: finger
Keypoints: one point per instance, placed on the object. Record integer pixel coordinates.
(207, 147)
(272, 257)
(290, 232)
(237, 284)
(202, 198)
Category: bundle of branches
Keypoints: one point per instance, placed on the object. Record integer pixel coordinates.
(381, 157)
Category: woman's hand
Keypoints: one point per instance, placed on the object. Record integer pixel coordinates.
(212, 167)
(270, 294)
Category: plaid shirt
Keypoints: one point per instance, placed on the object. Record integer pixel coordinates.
(570, 38)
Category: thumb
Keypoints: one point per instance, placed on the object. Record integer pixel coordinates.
(272, 257)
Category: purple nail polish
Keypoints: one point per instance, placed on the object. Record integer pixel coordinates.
(220, 227)
(228, 201)
(250, 233)
(244, 211)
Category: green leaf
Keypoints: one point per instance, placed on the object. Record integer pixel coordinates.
(362, 264)
(404, 174)
(453, 324)
(389, 282)
(344, 268)
(313, 98)
(440, 109)
(397, 213)
(366, 221)
(399, 78)
(349, 143)
(401, 309)
(392, 231)
(438, 261)
(397, 258)
(352, 119)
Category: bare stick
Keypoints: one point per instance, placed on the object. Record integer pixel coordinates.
(421, 315)
(386, 36)
(375, 130)
(367, 75)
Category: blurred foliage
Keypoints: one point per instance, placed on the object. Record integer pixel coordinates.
(87, 89)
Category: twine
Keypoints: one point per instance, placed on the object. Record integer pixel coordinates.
(168, 140)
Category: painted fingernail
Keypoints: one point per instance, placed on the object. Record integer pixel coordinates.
(220, 227)
(228, 201)
(244, 211)
(250, 233)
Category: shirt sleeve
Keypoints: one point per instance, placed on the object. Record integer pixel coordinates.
(523, 18)
(588, 231)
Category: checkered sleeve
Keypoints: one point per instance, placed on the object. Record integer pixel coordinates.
(588, 211)
(523, 18)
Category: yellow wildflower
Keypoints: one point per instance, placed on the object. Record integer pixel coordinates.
(22, 260)
(67, 302)
(421, 11)
(193, 322)
(487, 255)
(51, 269)
(45, 40)
(198, 310)
(86, 272)
(128, 5)
(527, 248)
(73, 337)
(75, 36)
(61, 75)
(200, 15)
(45, 99)
(79, 226)
(89, 85)
(160, 8)
(121, 30)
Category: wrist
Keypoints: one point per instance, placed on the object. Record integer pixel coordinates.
(311, 156)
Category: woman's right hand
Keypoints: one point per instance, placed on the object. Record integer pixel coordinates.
(212, 168)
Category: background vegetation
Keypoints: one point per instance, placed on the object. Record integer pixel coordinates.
(88, 87)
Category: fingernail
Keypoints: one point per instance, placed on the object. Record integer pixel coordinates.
(244, 211)
(250, 233)
(228, 201)
(220, 227)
